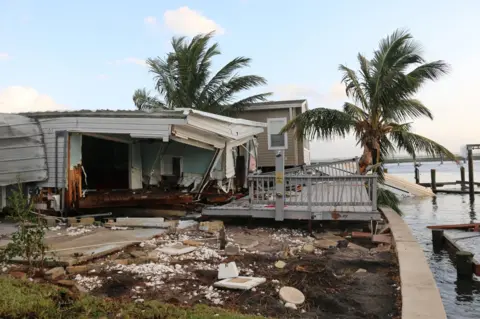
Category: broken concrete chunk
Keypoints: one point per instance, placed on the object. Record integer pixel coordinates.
(232, 250)
(194, 243)
(77, 269)
(292, 295)
(280, 264)
(325, 243)
(138, 253)
(211, 227)
(55, 273)
(308, 248)
(177, 249)
(384, 239)
(241, 283)
(229, 270)
(360, 270)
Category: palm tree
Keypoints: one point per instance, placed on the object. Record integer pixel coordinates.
(184, 80)
(383, 93)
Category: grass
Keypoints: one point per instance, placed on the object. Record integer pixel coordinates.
(24, 299)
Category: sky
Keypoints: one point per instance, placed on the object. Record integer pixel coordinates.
(90, 54)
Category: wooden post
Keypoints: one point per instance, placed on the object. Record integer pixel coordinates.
(464, 264)
(471, 182)
(222, 238)
(433, 176)
(437, 239)
(417, 175)
(462, 177)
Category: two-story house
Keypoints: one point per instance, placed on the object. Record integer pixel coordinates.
(298, 152)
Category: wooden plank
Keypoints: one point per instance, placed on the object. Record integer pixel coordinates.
(454, 226)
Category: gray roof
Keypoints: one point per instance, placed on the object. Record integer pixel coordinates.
(107, 113)
(283, 104)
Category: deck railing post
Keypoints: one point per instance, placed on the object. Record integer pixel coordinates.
(250, 192)
(309, 191)
(374, 192)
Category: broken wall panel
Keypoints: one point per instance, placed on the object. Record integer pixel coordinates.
(158, 159)
(22, 150)
(56, 156)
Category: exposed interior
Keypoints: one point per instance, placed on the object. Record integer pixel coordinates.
(106, 164)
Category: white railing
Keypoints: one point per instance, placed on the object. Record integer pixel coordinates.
(337, 168)
(313, 190)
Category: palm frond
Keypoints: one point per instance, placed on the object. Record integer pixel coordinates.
(353, 88)
(414, 144)
(321, 123)
(144, 101)
(406, 109)
(355, 112)
(388, 198)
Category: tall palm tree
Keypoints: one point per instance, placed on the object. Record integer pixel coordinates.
(184, 79)
(383, 105)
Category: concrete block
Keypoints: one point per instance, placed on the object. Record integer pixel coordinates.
(194, 243)
(325, 243)
(241, 283)
(177, 249)
(229, 270)
(55, 273)
(308, 248)
(211, 227)
(77, 269)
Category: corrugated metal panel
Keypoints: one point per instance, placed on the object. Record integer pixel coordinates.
(22, 150)
(140, 126)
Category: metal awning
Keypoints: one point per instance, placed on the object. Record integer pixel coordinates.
(22, 150)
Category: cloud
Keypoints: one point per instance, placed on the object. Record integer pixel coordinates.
(102, 77)
(130, 60)
(15, 99)
(4, 56)
(150, 20)
(188, 22)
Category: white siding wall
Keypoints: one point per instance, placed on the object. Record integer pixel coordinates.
(139, 126)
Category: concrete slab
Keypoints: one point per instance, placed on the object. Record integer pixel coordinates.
(241, 283)
(177, 249)
(147, 222)
(101, 241)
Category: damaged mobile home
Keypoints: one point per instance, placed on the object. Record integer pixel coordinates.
(168, 160)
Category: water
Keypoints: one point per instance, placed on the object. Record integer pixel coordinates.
(461, 299)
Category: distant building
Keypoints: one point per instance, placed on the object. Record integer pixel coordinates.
(298, 152)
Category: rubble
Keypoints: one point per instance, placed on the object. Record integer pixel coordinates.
(232, 250)
(55, 273)
(211, 226)
(88, 283)
(280, 264)
(242, 283)
(177, 249)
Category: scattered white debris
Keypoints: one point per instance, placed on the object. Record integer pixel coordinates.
(292, 295)
(76, 231)
(242, 283)
(54, 228)
(88, 283)
(118, 228)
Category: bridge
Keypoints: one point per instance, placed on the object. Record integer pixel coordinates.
(408, 159)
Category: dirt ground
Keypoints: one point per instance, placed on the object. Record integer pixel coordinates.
(357, 281)
(327, 277)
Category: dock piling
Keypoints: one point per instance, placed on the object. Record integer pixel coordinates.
(471, 182)
(462, 177)
(433, 176)
(437, 239)
(464, 261)
(417, 175)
